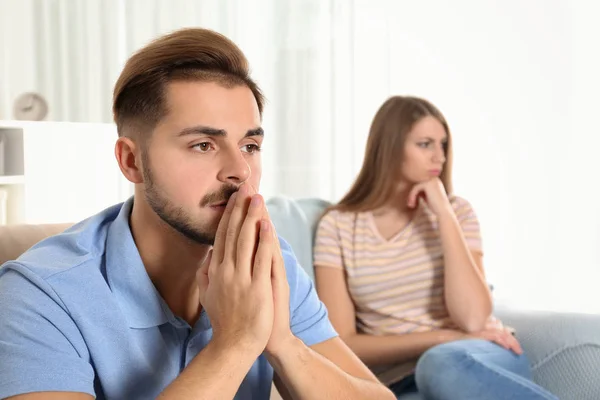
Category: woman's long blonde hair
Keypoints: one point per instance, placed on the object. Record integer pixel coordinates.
(384, 153)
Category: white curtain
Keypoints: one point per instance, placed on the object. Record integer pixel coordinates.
(301, 53)
(68, 51)
(520, 97)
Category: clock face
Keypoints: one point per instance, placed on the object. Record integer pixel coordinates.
(30, 107)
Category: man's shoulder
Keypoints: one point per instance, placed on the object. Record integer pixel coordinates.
(289, 258)
(292, 266)
(80, 245)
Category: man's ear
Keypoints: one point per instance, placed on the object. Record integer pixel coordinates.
(128, 155)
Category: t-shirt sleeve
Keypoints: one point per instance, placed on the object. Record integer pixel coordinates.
(327, 250)
(41, 348)
(469, 223)
(309, 320)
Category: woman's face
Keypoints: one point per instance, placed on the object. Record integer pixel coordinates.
(424, 151)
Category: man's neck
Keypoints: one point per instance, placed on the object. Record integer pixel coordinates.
(171, 261)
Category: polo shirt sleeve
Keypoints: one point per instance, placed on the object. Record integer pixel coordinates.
(41, 348)
(309, 320)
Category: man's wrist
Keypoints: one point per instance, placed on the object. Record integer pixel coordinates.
(290, 347)
(239, 349)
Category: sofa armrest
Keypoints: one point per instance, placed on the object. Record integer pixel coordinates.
(563, 348)
(16, 239)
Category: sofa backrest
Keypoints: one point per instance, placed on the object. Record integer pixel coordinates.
(295, 220)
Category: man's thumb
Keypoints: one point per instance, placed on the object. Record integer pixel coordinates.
(202, 273)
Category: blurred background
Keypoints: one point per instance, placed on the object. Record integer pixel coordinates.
(516, 79)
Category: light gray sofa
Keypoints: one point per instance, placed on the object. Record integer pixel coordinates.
(564, 349)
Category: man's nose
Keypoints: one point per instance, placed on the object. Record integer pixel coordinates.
(235, 168)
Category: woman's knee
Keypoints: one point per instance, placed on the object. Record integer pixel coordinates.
(441, 367)
(450, 354)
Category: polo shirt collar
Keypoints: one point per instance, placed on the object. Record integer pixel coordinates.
(137, 296)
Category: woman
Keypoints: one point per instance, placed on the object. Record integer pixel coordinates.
(398, 263)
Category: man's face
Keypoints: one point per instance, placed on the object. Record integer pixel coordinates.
(198, 155)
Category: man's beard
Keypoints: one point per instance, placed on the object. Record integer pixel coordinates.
(176, 216)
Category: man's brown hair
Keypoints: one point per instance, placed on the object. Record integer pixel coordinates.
(191, 54)
(384, 154)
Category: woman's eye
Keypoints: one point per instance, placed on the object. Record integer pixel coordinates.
(250, 148)
(202, 147)
(424, 145)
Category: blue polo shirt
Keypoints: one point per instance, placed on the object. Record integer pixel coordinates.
(79, 313)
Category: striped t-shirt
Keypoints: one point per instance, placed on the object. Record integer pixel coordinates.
(397, 285)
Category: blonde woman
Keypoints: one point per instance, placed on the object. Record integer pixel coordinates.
(398, 263)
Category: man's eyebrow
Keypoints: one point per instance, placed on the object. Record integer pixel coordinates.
(255, 132)
(207, 130)
(202, 130)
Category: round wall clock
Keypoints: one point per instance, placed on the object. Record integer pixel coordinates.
(30, 107)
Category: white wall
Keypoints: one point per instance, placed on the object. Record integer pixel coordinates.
(518, 83)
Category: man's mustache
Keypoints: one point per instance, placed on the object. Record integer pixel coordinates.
(220, 196)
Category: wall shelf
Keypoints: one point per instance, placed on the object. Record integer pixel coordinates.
(57, 172)
(12, 180)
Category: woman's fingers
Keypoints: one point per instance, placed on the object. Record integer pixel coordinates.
(413, 195)
(513, 342)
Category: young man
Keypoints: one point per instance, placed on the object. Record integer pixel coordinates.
(135, 302)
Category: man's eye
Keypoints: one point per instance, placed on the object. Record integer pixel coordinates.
(250, 148)
(202, 147)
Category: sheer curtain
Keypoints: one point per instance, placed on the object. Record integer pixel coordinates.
(301, 53)
(65, 50)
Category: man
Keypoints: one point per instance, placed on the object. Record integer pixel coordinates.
(135, 302)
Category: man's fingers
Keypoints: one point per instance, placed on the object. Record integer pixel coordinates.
(264, 253)
(278, 269)
(234, 226)
(219, 245)
(248, 238)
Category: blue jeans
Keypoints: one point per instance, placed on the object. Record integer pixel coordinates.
(470, 369)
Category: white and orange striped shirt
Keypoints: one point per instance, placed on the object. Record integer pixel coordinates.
(397, 285)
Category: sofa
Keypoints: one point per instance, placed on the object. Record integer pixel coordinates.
(564, 349)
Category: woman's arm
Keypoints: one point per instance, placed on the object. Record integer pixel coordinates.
(372, 350)
(468, 298)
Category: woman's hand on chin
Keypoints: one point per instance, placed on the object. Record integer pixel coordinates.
(433, 193)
